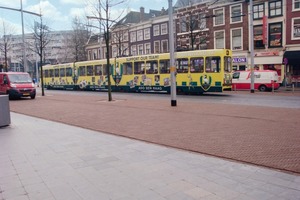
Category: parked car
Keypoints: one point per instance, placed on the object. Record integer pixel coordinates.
(17, 85)
(263, 80)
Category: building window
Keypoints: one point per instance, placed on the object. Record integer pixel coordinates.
(219, 19)
(258, 37)
(236, 13)
(183, 26)
(114, 51)
(275, 8)
(203, 42)
(125, 36)
(164, 28)
(296, 5)
(156, 47)
(236, 38)
(202, 21)
(258, 11)
(90, 55)
(124, 50)
(164, 46)
(194, 23)
(147, 48)
(296, 29)
(133, 50)
(140, 35)
(219, 40)
(114, 38)
(147, 33)
(99, 53)
(156, 30)
(133, 37)
(95, 54)
(140, 49)
(275, 35)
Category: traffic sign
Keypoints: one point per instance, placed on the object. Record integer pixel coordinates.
(285, 61)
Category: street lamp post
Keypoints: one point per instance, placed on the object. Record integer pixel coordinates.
(23, 39)
(251, 47)
(172, 59)
(23, 36)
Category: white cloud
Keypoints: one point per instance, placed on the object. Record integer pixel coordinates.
(12, 3)
(77, 12)
(48, 11)
(76, 2)
(12, 27)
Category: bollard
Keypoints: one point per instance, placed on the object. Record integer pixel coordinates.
(293, 88)
(273, 88)
(4, 110)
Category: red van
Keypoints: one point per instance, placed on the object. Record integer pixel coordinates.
(17, 85)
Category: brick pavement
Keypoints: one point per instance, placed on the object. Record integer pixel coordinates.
(258, 135)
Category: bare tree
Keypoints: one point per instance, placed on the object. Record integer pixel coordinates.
(5, 44)
(79, 40)
(42, 39)
(192, 22)
(120, 38)
(105, 6)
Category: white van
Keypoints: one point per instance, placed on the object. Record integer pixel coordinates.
(263, 80)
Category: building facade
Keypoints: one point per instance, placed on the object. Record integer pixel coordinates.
(291, 56)
(56, 51)
(205, 24)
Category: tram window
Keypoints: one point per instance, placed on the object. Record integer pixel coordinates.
(151, 67)
(182, 65)
(197, 65)
(69, 71)
(164, 66)
(212, 64)
(51, 73)
(127, 68)
(90, 71)
(227, 64)
(104, 70)
(81, 71)
(62, 72)
(139, 67)
(56, 72)
(46, 73)
(98, 70)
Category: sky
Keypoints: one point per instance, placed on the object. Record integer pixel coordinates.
(58, 14)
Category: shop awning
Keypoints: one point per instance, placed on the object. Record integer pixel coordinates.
(291, 57)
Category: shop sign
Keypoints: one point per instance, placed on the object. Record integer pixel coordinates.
(239, 60)
(267, 53)
(265, 29)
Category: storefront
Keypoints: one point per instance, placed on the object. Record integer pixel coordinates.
(270, 60)
(239, 63)
(291, 59)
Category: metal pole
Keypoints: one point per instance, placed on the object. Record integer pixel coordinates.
(37, 70)
(172, 60)
(100, 40)
(23, 40)
(251, 47)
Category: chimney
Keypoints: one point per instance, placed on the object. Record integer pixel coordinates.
(142, 13)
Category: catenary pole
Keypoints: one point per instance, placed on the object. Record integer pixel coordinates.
(172, 59)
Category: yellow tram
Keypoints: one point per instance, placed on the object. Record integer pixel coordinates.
(197, 71)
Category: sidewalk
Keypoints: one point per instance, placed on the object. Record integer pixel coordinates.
(45, 160)
(260, 135)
